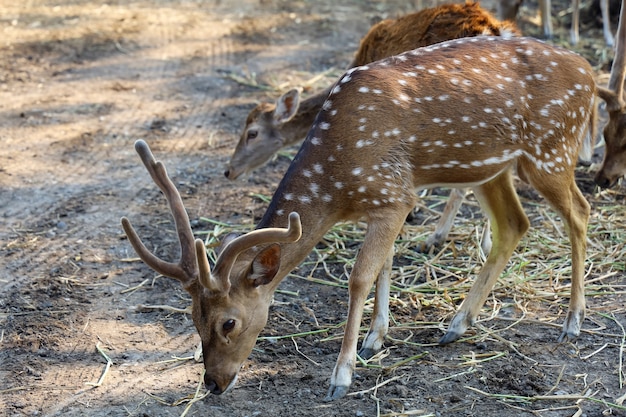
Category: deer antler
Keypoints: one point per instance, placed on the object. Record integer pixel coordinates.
(229, 254)
(193, 263)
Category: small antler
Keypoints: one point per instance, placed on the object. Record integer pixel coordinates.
(193, 263)
(229, 254)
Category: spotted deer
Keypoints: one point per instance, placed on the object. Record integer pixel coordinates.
(507, 10)
(270, 127)
(614, 161)
(462, 113)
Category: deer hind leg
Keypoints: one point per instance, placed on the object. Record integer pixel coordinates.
(570, 204)
(382, 231)
(508, 224)
(573, 31)
(545, 10)
(375, 337)
(606, 23)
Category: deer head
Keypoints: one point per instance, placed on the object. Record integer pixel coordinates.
(265, 132)
(228, 314)
(614, 163)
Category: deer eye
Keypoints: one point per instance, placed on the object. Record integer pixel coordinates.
(252, 134)
(228, 325)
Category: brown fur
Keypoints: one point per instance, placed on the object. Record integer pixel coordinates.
(427, 27)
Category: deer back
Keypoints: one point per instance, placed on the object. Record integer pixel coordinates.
(456, 114)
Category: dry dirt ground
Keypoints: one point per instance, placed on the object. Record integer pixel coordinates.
(81, 80)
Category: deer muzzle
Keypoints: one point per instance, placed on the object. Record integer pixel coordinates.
(215, 388)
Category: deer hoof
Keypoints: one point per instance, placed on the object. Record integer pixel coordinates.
(335, 392)
(459, 325)
(366, 353)
(571, 327)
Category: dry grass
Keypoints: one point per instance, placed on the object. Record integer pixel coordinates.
(534, 288)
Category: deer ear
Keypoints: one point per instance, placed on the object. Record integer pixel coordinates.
(611, 98)
(287, 106)
(265, 265)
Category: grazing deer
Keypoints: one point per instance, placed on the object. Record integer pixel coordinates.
(270, 127)
(507, 10)
(462, 113)
(614, 162)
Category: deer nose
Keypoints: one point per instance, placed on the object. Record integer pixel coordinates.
(212, 385)
(602, 181)
(227, 173)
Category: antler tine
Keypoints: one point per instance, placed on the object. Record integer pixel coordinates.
(229, 254)
(618, 71)
(186, 270)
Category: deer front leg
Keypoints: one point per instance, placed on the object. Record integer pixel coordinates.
(508, 224)
(379, 326)
(374, 254)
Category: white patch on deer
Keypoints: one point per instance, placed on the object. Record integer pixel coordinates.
(357, 171)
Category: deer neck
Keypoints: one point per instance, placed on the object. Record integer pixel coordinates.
(295, 129)
(316, 220)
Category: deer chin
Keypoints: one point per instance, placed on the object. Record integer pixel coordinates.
(232, 383)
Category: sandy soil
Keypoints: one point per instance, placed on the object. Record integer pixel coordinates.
(80, 81)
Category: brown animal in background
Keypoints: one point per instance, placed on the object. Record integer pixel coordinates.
(270, 127)
(614, 162)
(507, 10)
(463, 113)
